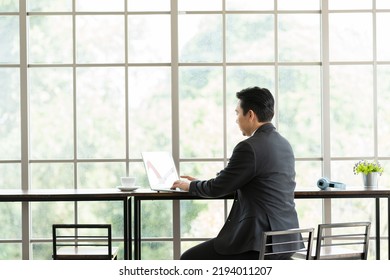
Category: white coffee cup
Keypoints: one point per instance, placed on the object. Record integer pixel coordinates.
(128, 181)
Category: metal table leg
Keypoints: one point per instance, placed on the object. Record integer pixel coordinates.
(137, 228)
(377, 229)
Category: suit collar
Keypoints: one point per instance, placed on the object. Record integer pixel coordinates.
(264, 128)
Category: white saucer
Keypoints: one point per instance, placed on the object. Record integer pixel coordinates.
(127, 189)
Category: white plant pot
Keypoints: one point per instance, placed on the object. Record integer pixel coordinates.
(370, 180)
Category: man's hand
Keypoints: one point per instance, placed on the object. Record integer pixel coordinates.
(189, 178)
(183, 185)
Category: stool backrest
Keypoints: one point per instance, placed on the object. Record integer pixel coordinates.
(343, 241)
(287, 242)
(82, 241)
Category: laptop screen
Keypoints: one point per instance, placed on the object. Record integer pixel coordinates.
(160, 169)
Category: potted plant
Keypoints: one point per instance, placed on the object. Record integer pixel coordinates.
(370, 172)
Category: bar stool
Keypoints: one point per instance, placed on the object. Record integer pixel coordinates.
(83, 242)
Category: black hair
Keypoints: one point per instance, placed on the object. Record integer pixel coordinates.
(259, 100)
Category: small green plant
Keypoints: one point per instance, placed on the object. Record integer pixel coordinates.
(366, 167)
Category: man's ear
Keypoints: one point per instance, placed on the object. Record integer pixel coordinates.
(252, 114)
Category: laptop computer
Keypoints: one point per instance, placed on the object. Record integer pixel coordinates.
(161, 171)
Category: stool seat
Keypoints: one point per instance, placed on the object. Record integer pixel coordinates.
(85, 253)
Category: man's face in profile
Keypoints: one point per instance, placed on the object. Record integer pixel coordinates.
(242, 120)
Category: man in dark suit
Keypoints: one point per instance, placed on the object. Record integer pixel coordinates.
(261, 173)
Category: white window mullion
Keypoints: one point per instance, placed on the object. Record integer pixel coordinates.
(24, 119)
(226, 207)
(127, 93)
(326, 154)
(175, 122)
(74, 73)
(375, 82)
(276, 65)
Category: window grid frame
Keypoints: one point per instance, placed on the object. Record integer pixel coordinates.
(326, 158)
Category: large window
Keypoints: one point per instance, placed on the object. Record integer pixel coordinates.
(86, 86)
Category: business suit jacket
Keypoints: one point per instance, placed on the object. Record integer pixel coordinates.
(261, 172)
